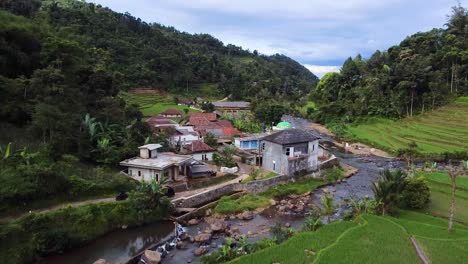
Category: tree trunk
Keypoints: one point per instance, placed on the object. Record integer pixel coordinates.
(412, 99)
(451, 82)
(423, 105)
(452, 202)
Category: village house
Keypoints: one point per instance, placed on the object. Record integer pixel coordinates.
(199, 150)
(205, 123)
(184, 102)
(290, 151)
(249, 142)
(232, 107)
(160, 123)
(171, 113)
(183, 135)
(151, 165)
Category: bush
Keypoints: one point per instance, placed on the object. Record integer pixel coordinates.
(24, 239)
(334, 174)
(416, 194)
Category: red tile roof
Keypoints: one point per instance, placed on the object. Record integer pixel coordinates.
(224, 123)
(230, 131)
(198, 146)
(197, 119)
(171, 111)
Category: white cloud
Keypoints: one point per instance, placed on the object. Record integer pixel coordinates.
(321, 70)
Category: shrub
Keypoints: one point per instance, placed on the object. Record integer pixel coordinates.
(334, 174)
(416, 194)
(280, 233)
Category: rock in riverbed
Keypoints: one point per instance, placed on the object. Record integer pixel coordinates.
(200, 251)
(246, 215)
(152, 257)
(202, 238)
(193, 221)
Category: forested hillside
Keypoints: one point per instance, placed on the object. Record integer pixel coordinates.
(426, 70)
(60, 60)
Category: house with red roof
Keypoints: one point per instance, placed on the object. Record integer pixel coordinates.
(205, 123)
(160, 123)
(199, 150)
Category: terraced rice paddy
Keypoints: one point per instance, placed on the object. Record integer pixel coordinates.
(153, 103)
(440, 187)
(371, 239)
(439, 131)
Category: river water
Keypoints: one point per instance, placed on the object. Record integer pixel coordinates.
(115, 247)
(121, 245)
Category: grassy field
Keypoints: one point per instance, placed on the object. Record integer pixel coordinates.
(153, 104)
(370, 239)
(227, 205)
(435, 132)
(440, 187)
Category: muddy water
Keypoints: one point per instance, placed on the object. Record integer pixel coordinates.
(116, 247)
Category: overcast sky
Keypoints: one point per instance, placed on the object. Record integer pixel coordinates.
(320, 34)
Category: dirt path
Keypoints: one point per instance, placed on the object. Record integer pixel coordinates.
(59, 206)
(419, 251)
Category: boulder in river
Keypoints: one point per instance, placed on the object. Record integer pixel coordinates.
(246, 215)
(181, 245)
(200, 251)
(202, 238)
(219, 226)
(193, 221)
(151, 257)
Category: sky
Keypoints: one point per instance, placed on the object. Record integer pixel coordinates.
(320, 34)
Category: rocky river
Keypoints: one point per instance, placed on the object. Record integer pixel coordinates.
(118, 246)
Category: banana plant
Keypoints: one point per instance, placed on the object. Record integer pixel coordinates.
(6, 153)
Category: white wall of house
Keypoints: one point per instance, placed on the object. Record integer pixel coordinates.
(184, 139)
(203, 156)
(146, 175)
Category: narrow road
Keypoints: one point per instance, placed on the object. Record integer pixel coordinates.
(59, 206)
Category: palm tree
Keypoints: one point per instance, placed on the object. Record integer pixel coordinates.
(453, 172)
(329, 206)
(388, 189)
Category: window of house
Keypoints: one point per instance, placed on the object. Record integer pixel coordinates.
(263, 146)
(139, 173)
(313, 147)
(130, 172)
(288, 152)
(157, 176)
(274, 165)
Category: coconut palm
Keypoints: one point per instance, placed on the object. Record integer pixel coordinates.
(387, 191)
(329, 206)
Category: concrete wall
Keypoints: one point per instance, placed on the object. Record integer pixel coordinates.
(199, 156)
(274, 159)
(146, 174)
(252, 187)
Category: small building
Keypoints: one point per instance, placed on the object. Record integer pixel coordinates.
(290, 151)
(184, 102)
(282, 126)
(250, 142)
(171, 113)
(160, 123)
(151, 165)
(199, 150)
(232, 107)
(197, 170)
(183, 135)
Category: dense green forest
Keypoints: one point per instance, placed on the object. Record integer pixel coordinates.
(427, 70)
(62, 66)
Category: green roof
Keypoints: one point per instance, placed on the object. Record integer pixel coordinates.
(284, 124)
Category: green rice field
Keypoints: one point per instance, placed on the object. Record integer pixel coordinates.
(153, 104)
(435, 132)
(371, 239)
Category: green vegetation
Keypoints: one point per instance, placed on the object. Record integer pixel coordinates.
(259, 174)
(440, 187)
(228, 205)
(301, 248)
(334, 174)
(34, 180)
(247, 202)
(244, 122)
(425, 71)
(370, 239)
(26, 238)
(438, 131)
(154, 103)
